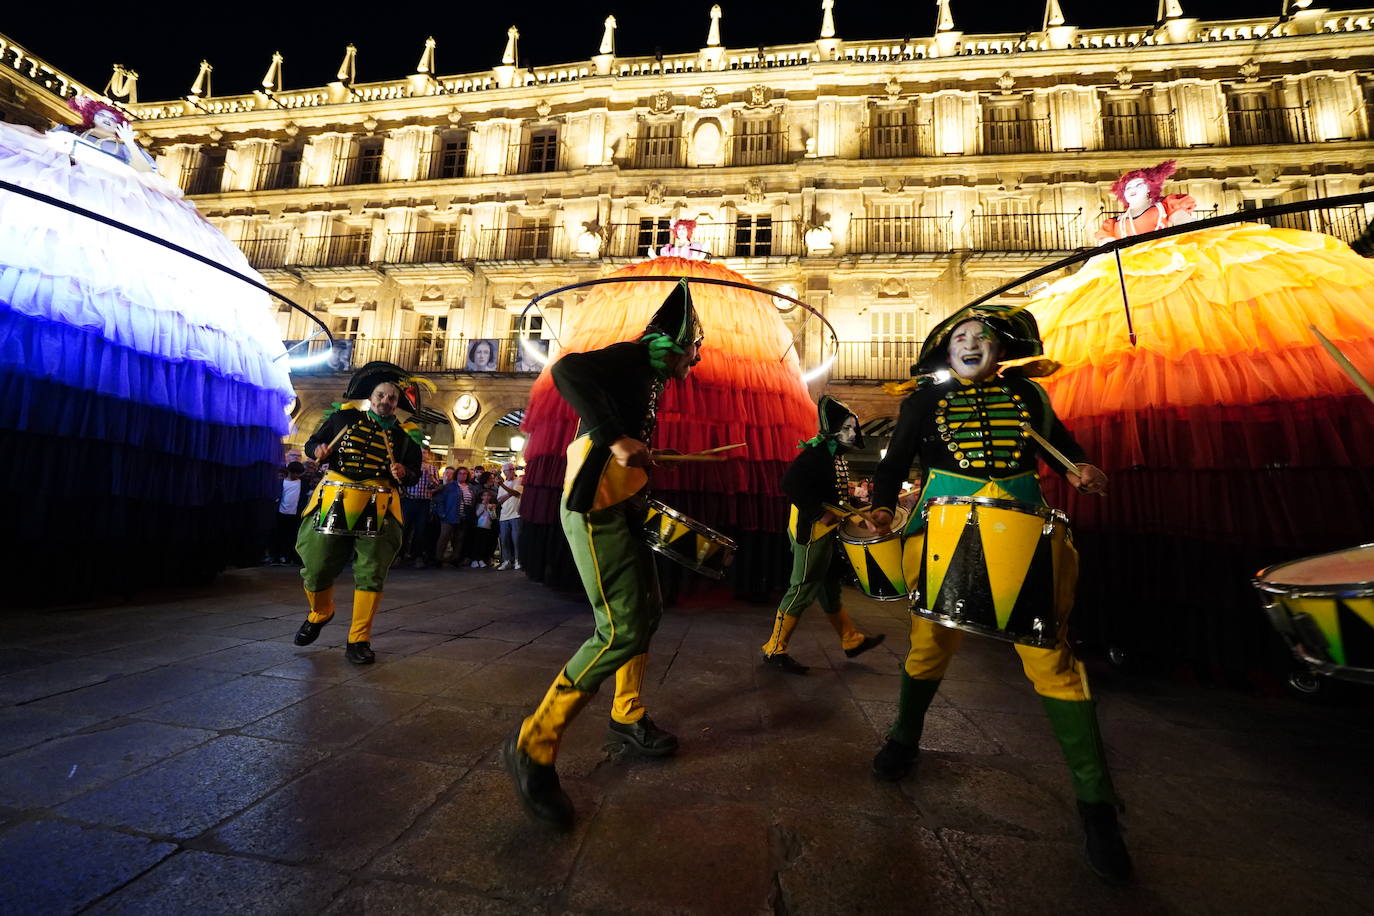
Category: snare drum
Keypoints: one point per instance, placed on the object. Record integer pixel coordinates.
(877, 559)
(1001, 568)
(1323, 607)
(687, 541)
(353, 509)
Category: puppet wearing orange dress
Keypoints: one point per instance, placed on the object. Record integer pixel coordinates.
(1232, 438)
(748, 388)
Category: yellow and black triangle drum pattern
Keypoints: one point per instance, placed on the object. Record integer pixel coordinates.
(997, 567)
(686, 541)
(1323, 607)
(352, 509)
(877, 560)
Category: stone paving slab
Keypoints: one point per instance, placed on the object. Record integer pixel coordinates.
(181, 755)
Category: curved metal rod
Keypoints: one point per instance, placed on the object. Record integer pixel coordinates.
(1244, 216)
(710, 281)
(158, 240)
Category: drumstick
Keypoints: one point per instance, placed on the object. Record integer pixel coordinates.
(1050, 450)
(722, 448)
(329, 449)
(1344, 362)
(694, 457)
(390, 455)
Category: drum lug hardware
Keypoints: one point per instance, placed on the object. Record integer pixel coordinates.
(1047, 529)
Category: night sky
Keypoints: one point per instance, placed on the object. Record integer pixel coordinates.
(166, 41)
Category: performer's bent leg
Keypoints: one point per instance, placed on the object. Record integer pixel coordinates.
(372, 558)
(809, 565)
(1062, 683)
(323, 557)
(626, 708)
(852, 640)
(542, 731)
(932, 648)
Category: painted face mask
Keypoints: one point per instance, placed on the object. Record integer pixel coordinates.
(973, 350)
(848, 433)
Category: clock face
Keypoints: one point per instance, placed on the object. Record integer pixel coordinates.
(466, 407)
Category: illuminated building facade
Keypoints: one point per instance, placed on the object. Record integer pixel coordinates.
(885, 182)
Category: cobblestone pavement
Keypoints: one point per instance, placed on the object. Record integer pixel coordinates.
(182, 756)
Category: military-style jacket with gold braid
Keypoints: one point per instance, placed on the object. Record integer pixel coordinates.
(615, 392)
(361, 454)
(815, 479)
(971, 429)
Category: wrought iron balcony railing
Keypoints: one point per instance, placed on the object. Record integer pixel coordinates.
(901, 234)
(1264, 126)
(1026, 231)
(425, 246)
(348, 249)
(277, 176)
(265, 253)
(537, 156)
(523, 243)
(875, 360)
(365, 168)
(898, 141)
(435, 353)
(760, 237)
(1139, 131)
(655, 153)
(204, 177)
(768, 148)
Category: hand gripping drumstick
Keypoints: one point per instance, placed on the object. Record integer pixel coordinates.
(1050, 450)
(329, 449)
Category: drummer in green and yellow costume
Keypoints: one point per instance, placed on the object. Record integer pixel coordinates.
(370, 445)
(615, 391)
(964, 423)
(816, 484)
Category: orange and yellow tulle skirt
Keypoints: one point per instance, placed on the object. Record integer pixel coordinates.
(747, 388)
(1232, 438)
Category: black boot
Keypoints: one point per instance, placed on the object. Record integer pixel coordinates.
(868, 643)
(309, 632)
(537, 787)
(784, 662)
(894, 761)
(360, 653)
(644, 737)
(1102, 844)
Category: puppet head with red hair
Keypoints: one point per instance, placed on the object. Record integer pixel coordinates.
(88, 108)
(1154, 178)
(685, 227)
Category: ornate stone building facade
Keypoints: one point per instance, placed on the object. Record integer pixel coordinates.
(884, 182)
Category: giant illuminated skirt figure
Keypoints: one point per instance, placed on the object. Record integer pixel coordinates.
(748, 388)
(1232, 439)
(143, 395)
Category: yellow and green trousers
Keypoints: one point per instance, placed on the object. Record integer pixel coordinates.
(1057, 676)
(617, 571)
(815, 578)
(324, 557)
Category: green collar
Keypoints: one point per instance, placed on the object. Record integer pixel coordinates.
(384, 423)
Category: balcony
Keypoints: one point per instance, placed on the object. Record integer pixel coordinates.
(425, 246)
(265, 253)
(1020, 135)
(1026, 231)
(875, 360)
(434, 353)
(758, 149)
(656, 153)
(1267, 126)
(745, 238)
(349, 249)
(898, 141)
(365, 168)
(277, 176)
(443, 164)
(901, 234)
(523, 243)
(204, 178)
(1139, 131)
(540, 155)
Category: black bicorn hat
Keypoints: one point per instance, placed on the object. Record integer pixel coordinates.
(677, 318)
(1014, 326)
(374, 373)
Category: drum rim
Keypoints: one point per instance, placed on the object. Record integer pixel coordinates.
(1262, 581)
(350, 485)
(660, 547)
(678, 515)
(992, 633)
(1011, 505)
(896, 532)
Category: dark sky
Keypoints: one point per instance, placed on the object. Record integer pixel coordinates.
(166, 41)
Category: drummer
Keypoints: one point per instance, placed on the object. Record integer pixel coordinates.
(964, 424)
(375, 448)
(615, 391)
(816, 484)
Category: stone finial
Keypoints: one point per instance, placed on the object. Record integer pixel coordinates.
(123, 85)
(201, 87)
(713, 36)
(1170, 9)
(426, 64)
(348, 68)
(1054, 16)
(271, 80)
(511, 55)
(827, 18)
(608, 36)
(944, 21)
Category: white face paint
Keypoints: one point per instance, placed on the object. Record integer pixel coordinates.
(1137, 193)
(973, 350)
(848, 432)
